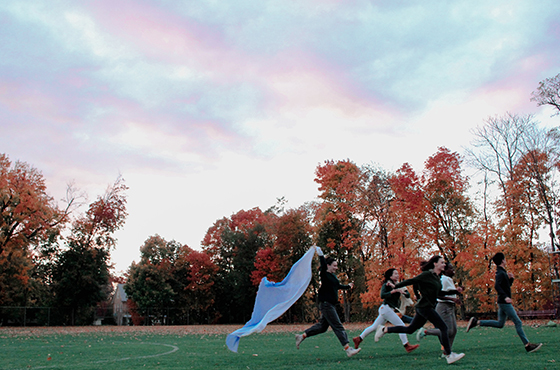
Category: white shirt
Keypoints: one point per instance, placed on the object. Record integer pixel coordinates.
(447, 284)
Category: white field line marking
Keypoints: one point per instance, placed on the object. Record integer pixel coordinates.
(173, 349)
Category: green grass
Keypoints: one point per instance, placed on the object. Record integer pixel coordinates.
(485, 348)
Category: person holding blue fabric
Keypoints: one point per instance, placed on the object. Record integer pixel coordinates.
(328, 299)
(502, 284)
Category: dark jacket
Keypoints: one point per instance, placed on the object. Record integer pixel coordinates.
(503, 284)
(328, 292)
(429, 286)
(391, 299)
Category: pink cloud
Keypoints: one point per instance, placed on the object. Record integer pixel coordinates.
(299, 80)
(512, 92)
(164, 36)
(23, 99)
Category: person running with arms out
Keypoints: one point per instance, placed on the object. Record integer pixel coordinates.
(446, 306)
(502, 284)
(428, 284)
(387, 310)
(328, 298)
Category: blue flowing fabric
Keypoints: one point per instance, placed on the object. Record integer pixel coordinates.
(273, 299)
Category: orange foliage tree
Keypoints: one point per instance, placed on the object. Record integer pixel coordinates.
(81, 273)
(232, 244)
(198, 274)
(402, 241)
(171, 275)
(30, 221)
(291, 233)
(522, 159)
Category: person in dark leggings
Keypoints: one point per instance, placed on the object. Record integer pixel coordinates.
(428, 285)
(328, 298)
(446, 306)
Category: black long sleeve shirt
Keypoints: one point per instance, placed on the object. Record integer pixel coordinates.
(328, 292)
(429, 286)
(503, 284)
(391, 299)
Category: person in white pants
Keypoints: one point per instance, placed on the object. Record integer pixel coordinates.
(387, 310)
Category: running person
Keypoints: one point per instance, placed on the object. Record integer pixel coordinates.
(502, 284)
(328, 298)
(387, 310)
(446, 306)
(428, 285)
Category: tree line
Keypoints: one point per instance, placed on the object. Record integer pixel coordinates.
(369, 219)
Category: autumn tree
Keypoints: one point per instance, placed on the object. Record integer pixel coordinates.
(378, 249)
(31, 222)
(339, 222)
(81, 274)
(374, 204)
(420, 216)
(150, 282)
(197, 272)
(232, 244)
(548, 93)
(522, 159)
(292, 237)
(402, 243)
(291, 232)
(408, 241)
(171, 276)
(449, 210)
(541, 163)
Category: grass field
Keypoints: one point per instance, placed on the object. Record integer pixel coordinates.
(203, 347)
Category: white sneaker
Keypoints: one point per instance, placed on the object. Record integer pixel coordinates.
(352, 351)
(299, 339)
(452, 357)
(420, 334)
(379, 333)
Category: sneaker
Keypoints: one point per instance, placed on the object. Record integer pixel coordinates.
(352, 351)
(532, 347)
(299, 339)
(472, 323)
(357, 341)
(420, 334)
(379, 333)
(452, 357)
(410, 347)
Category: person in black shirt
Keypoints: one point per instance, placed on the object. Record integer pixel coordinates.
(502, 284)
(429, 287)
(328, 299)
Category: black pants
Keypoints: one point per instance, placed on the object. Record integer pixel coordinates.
(423, 315)
(329, 317)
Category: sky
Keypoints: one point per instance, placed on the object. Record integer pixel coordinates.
(210, 107)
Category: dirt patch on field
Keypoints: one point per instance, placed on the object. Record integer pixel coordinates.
(182, 330)
(155, 330)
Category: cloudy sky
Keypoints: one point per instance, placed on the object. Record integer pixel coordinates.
(208, 107)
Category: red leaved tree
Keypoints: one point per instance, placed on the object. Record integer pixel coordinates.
(30, 220)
